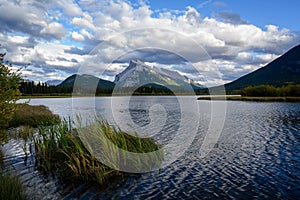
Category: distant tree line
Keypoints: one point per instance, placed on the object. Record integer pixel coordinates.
(151, 90)
(40, 88)
(271, 91)
(32, 88)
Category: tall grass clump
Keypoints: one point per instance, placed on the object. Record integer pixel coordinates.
(61, 150)
(11, 187)
(33, 116)
(2, 139)
(112, 147)
(1, 158)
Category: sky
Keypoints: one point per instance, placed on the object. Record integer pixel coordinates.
(212, 42)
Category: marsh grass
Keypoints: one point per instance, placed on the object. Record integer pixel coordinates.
(60, 150)
(3, 136)
(25, 132)
(11, 187)
(33, 116)
(2, 140)
(1, 158)
(112, 147)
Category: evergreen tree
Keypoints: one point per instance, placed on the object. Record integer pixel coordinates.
(9, 92)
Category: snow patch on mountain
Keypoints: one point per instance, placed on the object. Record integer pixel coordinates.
(138, 74)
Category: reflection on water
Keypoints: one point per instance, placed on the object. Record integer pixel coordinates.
(257, 156)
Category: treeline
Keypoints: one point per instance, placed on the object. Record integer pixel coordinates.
(150, 90)
(40, 88)
(271, 91)
(31, 88)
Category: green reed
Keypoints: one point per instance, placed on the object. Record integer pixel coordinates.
(61, 149)
(11, 187)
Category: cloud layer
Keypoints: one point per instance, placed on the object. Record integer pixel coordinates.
(58, 38)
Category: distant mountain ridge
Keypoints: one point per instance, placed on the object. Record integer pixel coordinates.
(87, 81)
(138, 74)
(283, 70)
(53, 82)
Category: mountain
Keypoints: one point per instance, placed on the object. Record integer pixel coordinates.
(87, 81)
(139, 74)
(53, 82)
(283, 70)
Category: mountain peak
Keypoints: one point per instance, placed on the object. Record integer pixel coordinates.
(138, 74)
(134, 65)
(136, 62)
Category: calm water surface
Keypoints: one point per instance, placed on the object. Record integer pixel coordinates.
(257, 155)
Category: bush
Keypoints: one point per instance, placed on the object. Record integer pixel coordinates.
(9, 92)
(271, 91)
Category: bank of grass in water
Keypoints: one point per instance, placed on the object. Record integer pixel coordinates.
(60, 151)
(26, 116)
(11, 187)
(33, 116)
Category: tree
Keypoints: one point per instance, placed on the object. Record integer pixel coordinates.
(9, 92)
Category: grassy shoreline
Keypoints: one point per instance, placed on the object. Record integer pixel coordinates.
(103, 95)
(29, 115)
(60, 151)
(199, 97)
(254, 99)
(46, 96)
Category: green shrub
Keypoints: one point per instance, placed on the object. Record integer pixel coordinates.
(9, 92)
(271, 91)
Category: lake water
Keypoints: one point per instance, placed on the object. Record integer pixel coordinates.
(257, 154)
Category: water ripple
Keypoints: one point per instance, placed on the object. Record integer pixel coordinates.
(257, 157)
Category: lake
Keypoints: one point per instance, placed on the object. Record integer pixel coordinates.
(256, 153)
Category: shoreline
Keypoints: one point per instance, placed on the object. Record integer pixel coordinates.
(199, 97)
(253, 99)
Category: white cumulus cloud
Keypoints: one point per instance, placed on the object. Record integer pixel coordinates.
(57, 36)
(54, 29)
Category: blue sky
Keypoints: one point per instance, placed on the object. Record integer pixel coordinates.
(221, 40)
(281, 13)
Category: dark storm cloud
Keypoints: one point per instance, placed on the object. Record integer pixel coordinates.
(108, 72)
(29, 17)
(17, 17)
(74, 50)
(229, 17)
(189, 69)
(152, 55)
(230, 75)
(53, 68)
